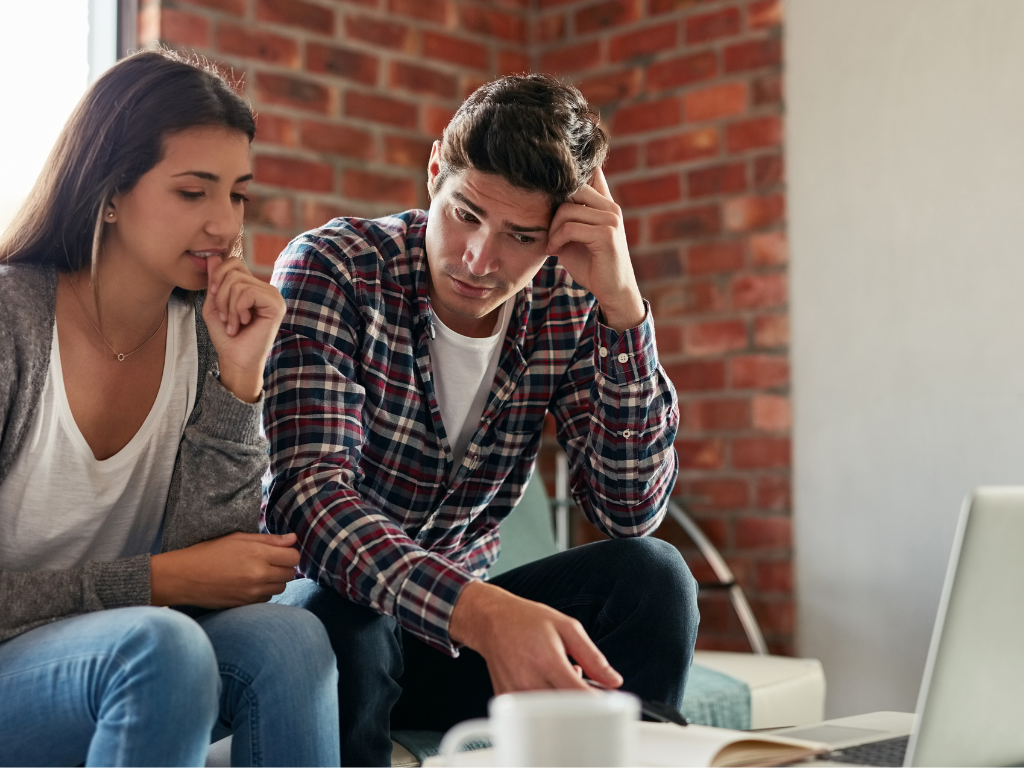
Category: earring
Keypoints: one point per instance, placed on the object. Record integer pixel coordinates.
(110, 215)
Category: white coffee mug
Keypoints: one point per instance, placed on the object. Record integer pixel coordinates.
(553, 728)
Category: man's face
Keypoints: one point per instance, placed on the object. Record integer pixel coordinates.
(486, 239)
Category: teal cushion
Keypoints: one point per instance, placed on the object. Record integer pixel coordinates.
(714, 698)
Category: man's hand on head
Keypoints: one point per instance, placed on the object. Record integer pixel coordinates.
(527, 646)
(588, 237)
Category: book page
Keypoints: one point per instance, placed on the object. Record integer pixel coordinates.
(665, 744)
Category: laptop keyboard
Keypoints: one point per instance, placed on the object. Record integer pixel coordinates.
(889, 752)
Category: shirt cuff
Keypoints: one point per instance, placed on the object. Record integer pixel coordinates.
(427, 598)
(629, 357)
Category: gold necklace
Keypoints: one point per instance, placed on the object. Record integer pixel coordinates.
(120, 355)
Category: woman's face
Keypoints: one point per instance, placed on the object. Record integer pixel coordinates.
(184, 209)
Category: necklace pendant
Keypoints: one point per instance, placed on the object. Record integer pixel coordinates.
(120, 357)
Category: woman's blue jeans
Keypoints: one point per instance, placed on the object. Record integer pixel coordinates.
(150, 686)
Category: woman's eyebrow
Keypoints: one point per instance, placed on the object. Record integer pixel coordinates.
(207, 176)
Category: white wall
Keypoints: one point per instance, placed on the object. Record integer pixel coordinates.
(905, 160)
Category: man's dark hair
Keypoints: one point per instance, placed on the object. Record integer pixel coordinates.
(532, 130)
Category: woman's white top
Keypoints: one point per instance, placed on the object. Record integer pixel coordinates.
(464, 369)
(60, 507)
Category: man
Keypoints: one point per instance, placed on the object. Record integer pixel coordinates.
(407, 391)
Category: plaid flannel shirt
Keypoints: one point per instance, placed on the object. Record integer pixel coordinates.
(360, 460)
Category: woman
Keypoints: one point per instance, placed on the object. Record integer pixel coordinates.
(132, 346)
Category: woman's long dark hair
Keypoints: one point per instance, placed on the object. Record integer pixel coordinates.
(112, 138)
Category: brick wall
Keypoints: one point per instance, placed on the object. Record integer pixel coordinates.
(350, 94)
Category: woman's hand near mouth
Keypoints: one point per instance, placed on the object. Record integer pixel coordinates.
(242, 314)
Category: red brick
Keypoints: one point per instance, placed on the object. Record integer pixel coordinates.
(772, 413)
(764, 533)
(380, 109)
(769, 249)
(455, 50)
(275, 129)
(513, 63)
(745, 213)
(571, 58)
(716, 101)
(548, 29)
(278, 212)
(253, 44)
(293, 92)
(611, 87)
(681, 71)
(697, 375)
(342, 62)
(761, 453)
(632, 227)
(717, 180)
(439, 11)
(716, 337)
(621, 158)
(182, 28)
(768, 90)
(714, 494)
(647, 116)
(764, 13)
(695, 298)
(235, 7)
(486, 21)
(771, 331)
(436, 118)
(376, 187)
(688, 222)
(670, 340)
(386, 34)
(709, 258)
(758, 291)
(297, 13)
(709, 415)
(769, 171)
(649, 191)
(755, 54)
(712, 26)
(406, 152)
(775, 576)
(652, 266)
(417, 79)
(656, 7)
(683, 147)
(316, 214)
(294, 174)
(775, 616)
(774, 493)
(335, 139)
(759, 372)
(699, 454)
(642, 42)
(753, 134)
(471, 83)
(266, 248)
(605, 15)
(716, 615)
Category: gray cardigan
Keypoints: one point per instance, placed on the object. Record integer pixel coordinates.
(215, 486)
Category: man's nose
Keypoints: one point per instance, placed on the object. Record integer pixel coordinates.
(478, 257)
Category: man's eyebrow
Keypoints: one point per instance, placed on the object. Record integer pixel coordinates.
(207, 176)
(517, 228)
(483, 215)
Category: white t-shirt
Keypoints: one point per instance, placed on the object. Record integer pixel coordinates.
(464, 369)
(60, 507)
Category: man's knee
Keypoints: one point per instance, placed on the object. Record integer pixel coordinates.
(657, 575)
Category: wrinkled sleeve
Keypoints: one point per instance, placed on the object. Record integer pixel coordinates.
(616, 416)
(313, 418)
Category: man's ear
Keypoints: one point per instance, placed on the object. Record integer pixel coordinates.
(433, 167)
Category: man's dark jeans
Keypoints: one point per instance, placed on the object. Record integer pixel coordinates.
(635, 598)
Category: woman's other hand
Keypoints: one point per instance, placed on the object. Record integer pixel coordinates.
(242, 314)
(237, 569)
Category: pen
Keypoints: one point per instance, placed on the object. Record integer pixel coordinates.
(662, 713)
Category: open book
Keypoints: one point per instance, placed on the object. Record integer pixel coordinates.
(665, 744)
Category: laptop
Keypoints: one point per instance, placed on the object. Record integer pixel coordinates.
(970, 710)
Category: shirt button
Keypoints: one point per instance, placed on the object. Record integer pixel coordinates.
(623, 358)
(604, 351)
(626, 433)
